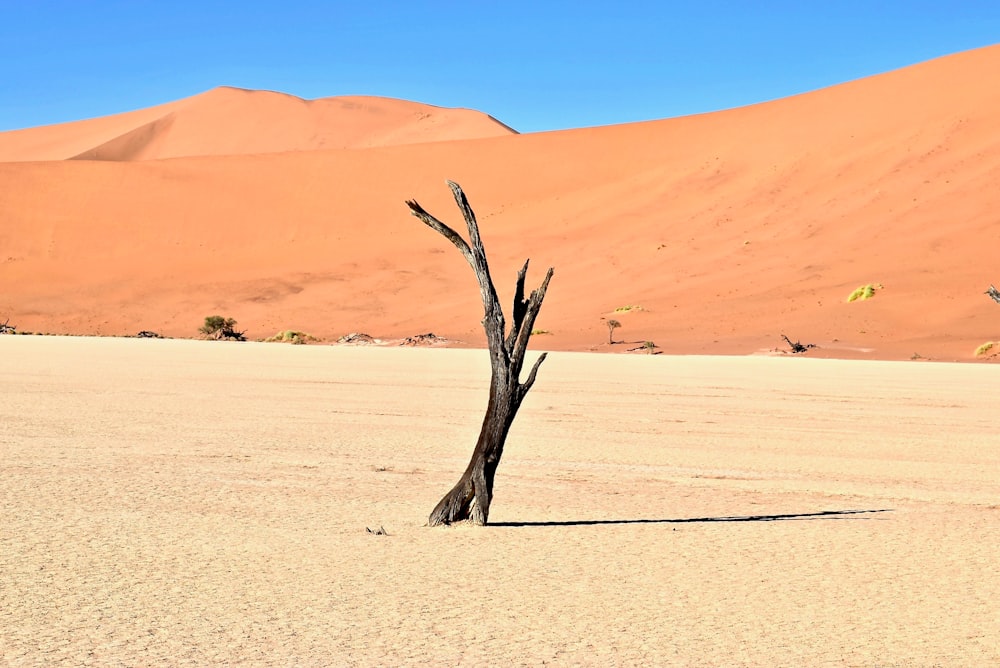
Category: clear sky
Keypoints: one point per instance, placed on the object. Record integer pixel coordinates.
(535, 65)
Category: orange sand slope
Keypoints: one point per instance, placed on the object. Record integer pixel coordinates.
(233, 121)
(728, 229)
(204, 504)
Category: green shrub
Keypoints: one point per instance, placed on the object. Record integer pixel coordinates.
(864, 292)
(220, 328)
(291, 336)
(985, 348)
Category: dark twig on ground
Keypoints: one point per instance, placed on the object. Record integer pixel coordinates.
(427, 339)
(797, 347)
(994, 294)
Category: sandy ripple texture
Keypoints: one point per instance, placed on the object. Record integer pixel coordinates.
(190, 503)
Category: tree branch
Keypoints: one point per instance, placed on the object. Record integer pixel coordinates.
(520, 307)
(470, 221)
(526, 385)
(534, 305)
(450, 234)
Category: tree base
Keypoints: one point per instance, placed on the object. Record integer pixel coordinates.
(462, 503)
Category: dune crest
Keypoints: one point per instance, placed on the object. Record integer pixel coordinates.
(235, 121)
(727, 229)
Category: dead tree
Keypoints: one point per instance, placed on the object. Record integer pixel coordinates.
(797, 347)
(470, 498)
(994, 294)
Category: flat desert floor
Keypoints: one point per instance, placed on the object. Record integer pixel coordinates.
(170, 502)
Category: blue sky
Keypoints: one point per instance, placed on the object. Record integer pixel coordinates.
(534, 65)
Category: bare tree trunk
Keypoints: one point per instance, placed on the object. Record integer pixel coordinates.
(470, 498)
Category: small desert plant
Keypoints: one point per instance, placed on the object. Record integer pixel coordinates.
(220, 328)
(291, 336)
(540, 331)
(649, 346)
(864, 292)
(627, 308)
(985, 348)
(612, 326)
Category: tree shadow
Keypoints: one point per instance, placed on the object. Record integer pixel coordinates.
(821, 515)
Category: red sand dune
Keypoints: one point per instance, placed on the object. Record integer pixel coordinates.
(233, 121)
(729, 229)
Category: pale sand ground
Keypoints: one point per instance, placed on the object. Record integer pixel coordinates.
(190, 503)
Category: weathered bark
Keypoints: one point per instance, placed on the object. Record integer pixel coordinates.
(470, 498)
